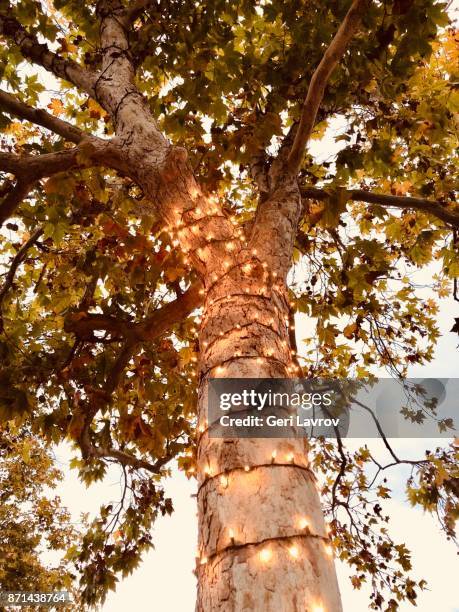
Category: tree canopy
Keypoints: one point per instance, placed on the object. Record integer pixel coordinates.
(99, 303)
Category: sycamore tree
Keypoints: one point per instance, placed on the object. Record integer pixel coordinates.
(163, 220)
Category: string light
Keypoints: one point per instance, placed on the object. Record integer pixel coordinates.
(207, 471)
(273, 456)
(224, 480)
(220, 369)
(265, 555)
(247, 468)
(291, 458)
(304, 523)
(294, 552)
(203, 560)
(231, 536)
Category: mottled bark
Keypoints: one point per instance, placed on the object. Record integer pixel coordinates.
(263, 545)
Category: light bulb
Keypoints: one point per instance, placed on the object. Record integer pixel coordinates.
(203, 560)
(247, 468)
(224, 480)
(265, 555)
(328, 551)
(294, 552)
(273, 456)
(291, 458)
(304, 523)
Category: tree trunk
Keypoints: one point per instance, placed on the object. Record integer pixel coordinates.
(263, 543)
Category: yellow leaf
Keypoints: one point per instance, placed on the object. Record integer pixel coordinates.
(56, 106)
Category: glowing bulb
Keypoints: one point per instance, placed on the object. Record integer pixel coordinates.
(231, 536)
(328, 550)
(291, 458)
(207, 471)
(247, 468)
(224, 480)
(265, 555)
(294, 552)
(273, 456)
(318, 608)
(220, 370)
(304, 523)
(203, 560)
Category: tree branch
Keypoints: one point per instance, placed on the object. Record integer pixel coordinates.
(84, 324)
(28, 169)
(405, 202)
(137, 8)
(40, 54)
(17, 260)
(319, 80)
(39, 166)
(40, 117)
(13, 198)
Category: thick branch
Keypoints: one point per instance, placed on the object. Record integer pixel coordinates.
(28, 169)
(359, 195)
(85, 324)
(13, 198)
(319, 80)
(40, 117)
(40, 54)
(39, 166)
